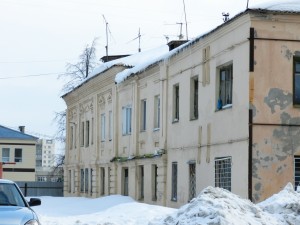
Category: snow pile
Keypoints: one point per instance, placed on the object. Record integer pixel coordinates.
(285, 205)
(216, 206)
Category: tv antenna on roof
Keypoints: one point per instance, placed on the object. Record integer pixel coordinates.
(138, 37)
(106, 31)
(226, 16)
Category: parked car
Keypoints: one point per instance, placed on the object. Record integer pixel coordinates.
(14, 208)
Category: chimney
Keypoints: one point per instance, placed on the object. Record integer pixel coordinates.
(22, 129)
(176, 43)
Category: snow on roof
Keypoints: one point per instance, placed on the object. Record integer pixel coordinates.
(141, 61)
(279, 5)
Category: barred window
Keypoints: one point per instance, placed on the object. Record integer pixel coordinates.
(223, 173)
(297, 171)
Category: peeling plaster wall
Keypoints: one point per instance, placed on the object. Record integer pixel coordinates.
(276, 122)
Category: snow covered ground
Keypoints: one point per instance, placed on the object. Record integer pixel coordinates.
(213, 206)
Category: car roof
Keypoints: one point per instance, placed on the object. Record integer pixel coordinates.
(4, 181)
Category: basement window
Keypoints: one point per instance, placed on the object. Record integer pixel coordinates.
(297, 171)
(223, 173)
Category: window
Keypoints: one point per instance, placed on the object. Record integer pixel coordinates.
(176, 103)
(192, 180)
(82, 135)
(141, 182)
(126, 114)
(297, 171)
(174, 181)
(92, 132)
(5, 154)
(125, 179)
(225, 87)
(86, 180)
(87, 138)
(71, 137)
(194, 98)
(143, 114)
(110, 124)
(154, 182)
(69, 180)
(81, 180)
(102, 181)
(103, 127)
(296, 83)
(223, 173)
(18, 155)
(156, 112)
(205, 67)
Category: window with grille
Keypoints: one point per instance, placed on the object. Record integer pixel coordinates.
(102, 181)
(192, 180)
(141, 182)
(297, 171)
(81, 180)
(174, 181)
(223, 173)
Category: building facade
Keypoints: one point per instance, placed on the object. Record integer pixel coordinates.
(221, 110)
(17, 148)
(45, 160)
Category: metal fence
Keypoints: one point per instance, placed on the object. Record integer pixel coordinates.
(42, 188)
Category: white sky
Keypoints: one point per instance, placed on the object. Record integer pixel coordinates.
(39, 37)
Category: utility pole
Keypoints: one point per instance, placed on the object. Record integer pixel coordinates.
(186, 28)
(106, 30)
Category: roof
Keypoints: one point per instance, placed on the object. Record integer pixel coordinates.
(139, 62)
(7, 133)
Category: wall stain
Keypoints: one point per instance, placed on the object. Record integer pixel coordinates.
(278, 97)
(286, 52)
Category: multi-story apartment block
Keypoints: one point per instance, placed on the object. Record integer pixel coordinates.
(45, 159)
(221, 110)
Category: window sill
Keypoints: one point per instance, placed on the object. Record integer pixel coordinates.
(228, 106)
(175, 120)
(194, 118)
(174, 199)
(156, 129)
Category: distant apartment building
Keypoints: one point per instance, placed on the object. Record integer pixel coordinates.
(19, 148)
(45, 160)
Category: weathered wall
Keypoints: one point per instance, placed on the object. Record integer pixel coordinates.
(275, 142)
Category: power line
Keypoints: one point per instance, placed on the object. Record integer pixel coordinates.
(31, 75)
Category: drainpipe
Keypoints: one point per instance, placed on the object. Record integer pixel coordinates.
(250, 155)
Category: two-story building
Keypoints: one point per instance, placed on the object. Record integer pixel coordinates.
(17, 148)
(220, 110)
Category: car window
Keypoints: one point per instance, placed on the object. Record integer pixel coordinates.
(10, 195)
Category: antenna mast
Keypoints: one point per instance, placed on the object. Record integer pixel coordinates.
(106, 30)
(139, 36)
(186, 28)
(247, 4)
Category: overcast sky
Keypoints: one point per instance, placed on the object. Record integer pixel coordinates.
(38, 38)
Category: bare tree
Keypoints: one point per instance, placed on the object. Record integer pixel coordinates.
(75, 73)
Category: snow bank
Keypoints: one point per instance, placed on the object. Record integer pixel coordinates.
(216, 206)
(285, 205)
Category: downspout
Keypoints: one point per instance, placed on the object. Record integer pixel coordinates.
(250, 155)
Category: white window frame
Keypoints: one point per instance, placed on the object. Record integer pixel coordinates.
(156, 112)
(126, 120)
(225, 86)
(103, 127)
(5, 158)
(110, 124)
(143, 114)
